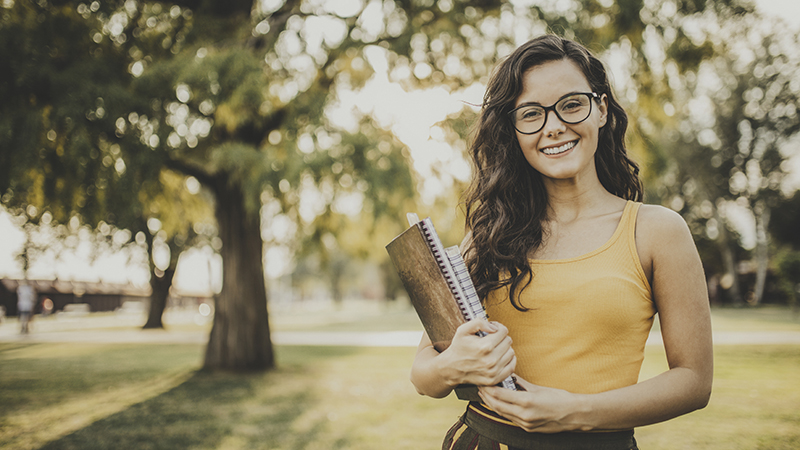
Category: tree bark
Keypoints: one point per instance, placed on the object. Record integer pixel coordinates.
(158, 299)
(762, 252)
(729, 261)
(337, 268)
(240, 337)
(159, 285)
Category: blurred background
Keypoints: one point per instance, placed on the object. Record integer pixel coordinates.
(229, 162)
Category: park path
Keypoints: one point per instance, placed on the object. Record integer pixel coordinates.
(73, 332)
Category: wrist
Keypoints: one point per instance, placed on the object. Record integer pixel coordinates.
(450, 376)
(580, 412)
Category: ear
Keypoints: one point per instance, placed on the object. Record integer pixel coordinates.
(602, 107)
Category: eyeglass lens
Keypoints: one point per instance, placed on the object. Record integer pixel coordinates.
(571, 109)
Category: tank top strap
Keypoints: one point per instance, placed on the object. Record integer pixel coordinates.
(628, 237)
(625, 236)
(628, 221)
(627, 225)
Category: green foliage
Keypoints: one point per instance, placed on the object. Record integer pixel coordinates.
(55, 91)
(787, 268)
(784, 222)
(111, 108)
(722, 146)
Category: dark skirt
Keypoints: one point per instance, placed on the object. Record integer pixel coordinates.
(482, 429)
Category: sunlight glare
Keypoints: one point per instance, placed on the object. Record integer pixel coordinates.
(413, 117)
(343, 8)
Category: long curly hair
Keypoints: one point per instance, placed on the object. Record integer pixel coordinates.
(506, 202)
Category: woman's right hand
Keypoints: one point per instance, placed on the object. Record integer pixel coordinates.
(472, 359)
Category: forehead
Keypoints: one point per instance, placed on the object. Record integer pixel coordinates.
(548, 82)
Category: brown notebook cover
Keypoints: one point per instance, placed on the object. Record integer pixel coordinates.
(429, 292)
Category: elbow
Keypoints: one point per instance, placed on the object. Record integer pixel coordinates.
(426, 389)
(703, 393)
(417, 387)
(700, 401)
(411, 379)
(704, 397)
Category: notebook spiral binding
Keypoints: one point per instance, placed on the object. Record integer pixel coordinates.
(455, 272)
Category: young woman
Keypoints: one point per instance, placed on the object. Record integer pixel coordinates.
(571, 269)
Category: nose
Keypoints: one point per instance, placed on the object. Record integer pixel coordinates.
(553, 124)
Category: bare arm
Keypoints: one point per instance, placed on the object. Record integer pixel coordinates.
(681, 297)
(469, 359)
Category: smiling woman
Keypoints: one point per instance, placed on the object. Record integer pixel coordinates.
(571, 269)
(572, 132)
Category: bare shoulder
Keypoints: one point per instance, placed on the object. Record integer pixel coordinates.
(658, 224)
(662, 236)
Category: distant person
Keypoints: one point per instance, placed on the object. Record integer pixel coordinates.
(47, 307)
(26, 298)
(571, 268)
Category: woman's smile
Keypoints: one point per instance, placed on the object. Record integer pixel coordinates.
(558, 150)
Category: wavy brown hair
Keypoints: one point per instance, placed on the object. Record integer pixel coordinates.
(506, 202)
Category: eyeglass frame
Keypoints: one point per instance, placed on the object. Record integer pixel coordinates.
(547, 109)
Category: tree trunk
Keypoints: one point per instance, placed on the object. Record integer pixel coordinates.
(158, 299)
(762, 252)
(338, 266)
(159, 285)
(240, 338)
(729, 262)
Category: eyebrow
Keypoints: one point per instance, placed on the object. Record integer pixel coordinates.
(539, 104)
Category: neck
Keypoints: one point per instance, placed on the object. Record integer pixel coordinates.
(570, 199)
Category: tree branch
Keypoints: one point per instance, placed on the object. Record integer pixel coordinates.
(190, 169)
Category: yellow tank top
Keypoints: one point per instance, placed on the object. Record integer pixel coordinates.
(588, 317)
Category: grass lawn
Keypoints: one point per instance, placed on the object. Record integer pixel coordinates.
(151, 396)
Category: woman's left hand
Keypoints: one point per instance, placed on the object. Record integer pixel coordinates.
(534, 408)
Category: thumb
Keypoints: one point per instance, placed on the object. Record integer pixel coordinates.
(473, 326)
(524, 384)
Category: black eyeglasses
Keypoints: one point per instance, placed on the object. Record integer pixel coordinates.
(571, 108)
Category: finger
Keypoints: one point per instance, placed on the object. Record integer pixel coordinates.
(524, 384)
(472, 327)
(501, 401)
(492, 397)
(485, 393)
(500, 326)
(500, 352)
(487, 343)
(504, 345)
(507, 370)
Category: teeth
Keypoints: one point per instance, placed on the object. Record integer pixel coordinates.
(559, 149)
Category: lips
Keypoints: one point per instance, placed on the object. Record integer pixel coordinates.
(550, 151)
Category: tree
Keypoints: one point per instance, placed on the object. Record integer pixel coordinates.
(737, 116)
(63, 95)
(231, 95)
(251, 101)
(178, 216)
(243, 98)
(783, 228)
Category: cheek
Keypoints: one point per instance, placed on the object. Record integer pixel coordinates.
(526, 145)
(527, 142)
(531, 156)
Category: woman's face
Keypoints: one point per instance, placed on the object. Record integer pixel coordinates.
(560, 151)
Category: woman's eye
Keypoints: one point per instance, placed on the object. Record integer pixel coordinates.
(573, 104)
(531, 114)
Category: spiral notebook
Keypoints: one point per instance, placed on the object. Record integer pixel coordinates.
(439, 286)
